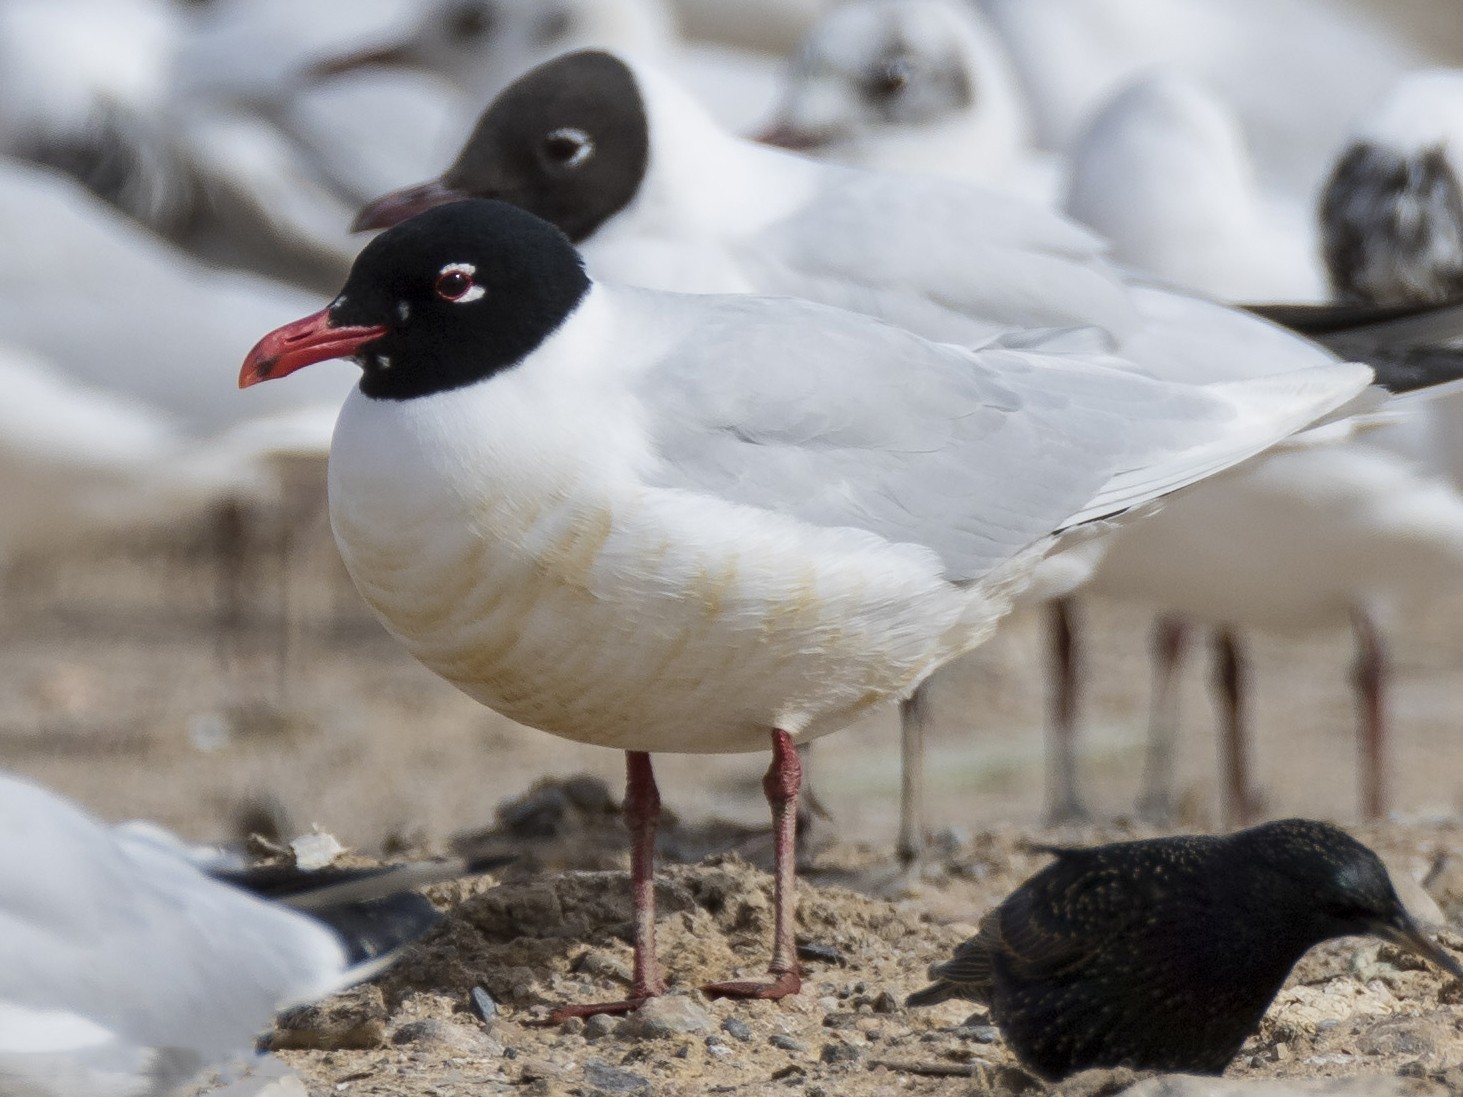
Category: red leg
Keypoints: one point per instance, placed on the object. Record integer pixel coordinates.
(1170, 641)
(781, 784)
(1063, 805)
(642, 812)
(914, 717)
(1369, 679)
(1231, 678)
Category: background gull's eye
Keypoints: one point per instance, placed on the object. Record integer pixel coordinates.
(454, 285)
(568, 147)
(469, 22)
(891, 78)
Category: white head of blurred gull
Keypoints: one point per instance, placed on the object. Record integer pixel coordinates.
(692, 523)
(1163, 172)
(126, 971)
(482, 45)
(1295, 71)
(922, 86)
(145, 321)
(1392, 209)
(133, 100)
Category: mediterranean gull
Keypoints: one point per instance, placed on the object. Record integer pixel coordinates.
(654, 194)
(659, 521)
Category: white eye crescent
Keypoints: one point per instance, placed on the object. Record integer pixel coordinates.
(568, 147)
(455, 283)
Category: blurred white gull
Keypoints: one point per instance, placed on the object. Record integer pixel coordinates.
(125, 971)
(110, 306)
(1392, 209)
(480, 46)
(922, 86)
(1391, 220)
(136, 101)
(1338, 535)
(1295, 71)
(768, 26)
(78, 465)
(1163, 172)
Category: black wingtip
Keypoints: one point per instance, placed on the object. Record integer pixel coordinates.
(372, 929)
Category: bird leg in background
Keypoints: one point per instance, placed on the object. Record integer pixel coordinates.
(1230, 673)
(1368, 678)
(914, 715)
(808, 807)
(642, 813)
(784, 778)
(1063, 804)
(1170, 644)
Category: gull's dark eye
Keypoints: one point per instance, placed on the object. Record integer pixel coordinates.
(455, 283)
(567, 148)
(890, 78)
(469, 22)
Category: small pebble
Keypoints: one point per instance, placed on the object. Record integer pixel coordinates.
(601, 1024)
(738, 1029)
(602, 965)
(572, 1026)
(839, 1053)
(604, 1078)
(482, 1004)
(886, 1003)
(446, 1036)
(981, 1034)
(787, 1043)
(672, 1015)
(315, 851)
(822, 954)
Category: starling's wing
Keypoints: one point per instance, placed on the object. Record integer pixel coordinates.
(1065, 915)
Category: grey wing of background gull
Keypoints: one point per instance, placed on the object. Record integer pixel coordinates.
(948, 265)
(843, 422)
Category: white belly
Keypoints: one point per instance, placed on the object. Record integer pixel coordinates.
(641, 618)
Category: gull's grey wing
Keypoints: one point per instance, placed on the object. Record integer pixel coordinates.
(983, 258)
(843, 421)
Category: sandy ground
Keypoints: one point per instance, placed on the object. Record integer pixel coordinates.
(119, 687)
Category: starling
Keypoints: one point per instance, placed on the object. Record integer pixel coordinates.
(1164, 954)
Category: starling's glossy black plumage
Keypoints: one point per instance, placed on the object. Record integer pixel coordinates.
(1164, 954)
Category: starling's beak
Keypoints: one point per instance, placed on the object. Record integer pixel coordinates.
(1402, 931)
